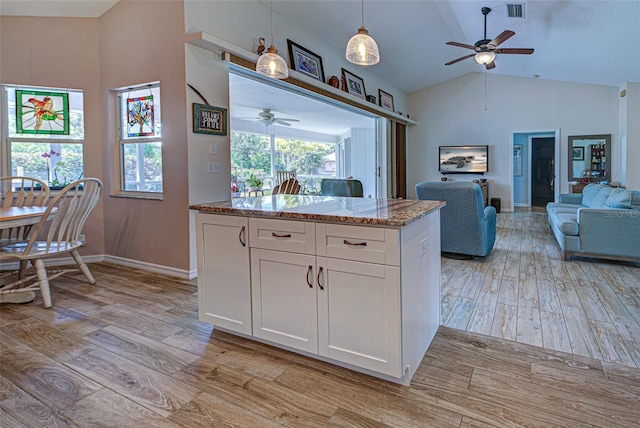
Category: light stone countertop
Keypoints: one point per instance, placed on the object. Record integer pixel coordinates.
(376, 212)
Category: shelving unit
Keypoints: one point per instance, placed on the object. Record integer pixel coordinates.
(598, 160)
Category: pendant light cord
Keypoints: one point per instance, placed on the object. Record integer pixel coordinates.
(362, 12)
(271, 10)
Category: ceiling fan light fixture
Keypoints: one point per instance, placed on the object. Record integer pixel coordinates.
(270, 63)
(484, 57)
(362, 49)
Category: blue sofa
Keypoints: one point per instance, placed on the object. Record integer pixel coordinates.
(602, 222)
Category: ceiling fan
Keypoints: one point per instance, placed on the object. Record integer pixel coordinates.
(486, 50)
(267, 117)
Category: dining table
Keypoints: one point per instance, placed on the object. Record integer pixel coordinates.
(15, 217)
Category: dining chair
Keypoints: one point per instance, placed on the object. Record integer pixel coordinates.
(60, 227)
(18, 191)
(287, 187)
(282, 176)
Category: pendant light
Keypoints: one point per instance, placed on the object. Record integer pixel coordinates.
(270, 63)
(362, 49)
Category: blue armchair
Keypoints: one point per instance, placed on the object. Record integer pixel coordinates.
(466, 226)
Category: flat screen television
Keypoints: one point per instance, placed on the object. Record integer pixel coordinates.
(464, 159)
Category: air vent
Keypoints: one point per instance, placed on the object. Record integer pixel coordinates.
(515, 10)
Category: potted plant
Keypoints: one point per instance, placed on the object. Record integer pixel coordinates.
(254, 182)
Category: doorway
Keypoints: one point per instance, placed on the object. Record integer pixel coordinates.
(542, 171)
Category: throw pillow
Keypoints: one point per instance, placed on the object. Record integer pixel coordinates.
(589, 192)
(618, 198)
(600, 197)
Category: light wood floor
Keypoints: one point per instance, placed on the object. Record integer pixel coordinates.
(524, 292)
(130, 352)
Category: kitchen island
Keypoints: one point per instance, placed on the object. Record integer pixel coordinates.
(351, 281)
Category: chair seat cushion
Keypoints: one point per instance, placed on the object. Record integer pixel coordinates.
(566, 222)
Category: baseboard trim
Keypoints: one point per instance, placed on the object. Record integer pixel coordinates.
(151, 267)
(121, 261)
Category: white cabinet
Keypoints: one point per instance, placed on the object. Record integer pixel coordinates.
(338, 307)
(359, 314)
(224, 287)
(284, 298)
(358, 295)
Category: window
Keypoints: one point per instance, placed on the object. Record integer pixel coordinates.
(140, 139)
(262, 155)
(43, 133)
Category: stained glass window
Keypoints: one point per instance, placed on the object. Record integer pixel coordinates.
(40, 112)
(140, 116)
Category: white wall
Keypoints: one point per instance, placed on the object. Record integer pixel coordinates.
(630, 135)
(453, 113)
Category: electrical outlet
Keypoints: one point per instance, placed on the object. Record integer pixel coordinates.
(213, 168)
(81, 238)
(424, 246)
(213, 149)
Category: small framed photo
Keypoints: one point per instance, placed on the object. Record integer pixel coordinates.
(209, 119)
(355, 85)
(305, 61)
(386, 100)
(578, 153)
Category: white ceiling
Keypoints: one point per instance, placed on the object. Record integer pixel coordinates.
(586, 41)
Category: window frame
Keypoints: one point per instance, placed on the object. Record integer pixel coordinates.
(55, 140)
(122, 141)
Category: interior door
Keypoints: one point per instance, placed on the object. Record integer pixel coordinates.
(542, 171)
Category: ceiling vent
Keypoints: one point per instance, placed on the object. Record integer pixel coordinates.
(515, 10)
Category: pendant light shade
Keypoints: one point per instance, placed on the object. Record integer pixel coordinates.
(270, 63)
(362, 49)
(484, 57)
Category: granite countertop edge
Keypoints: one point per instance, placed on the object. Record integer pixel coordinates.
(402, 212)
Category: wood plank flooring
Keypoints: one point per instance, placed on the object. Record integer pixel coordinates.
(524, 292)
(130, 352)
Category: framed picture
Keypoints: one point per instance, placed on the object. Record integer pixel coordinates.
(355, 85)
(209, 119)
(517, 160)
(39, 112)
(386, 100)
(578, 153)
(305, 61)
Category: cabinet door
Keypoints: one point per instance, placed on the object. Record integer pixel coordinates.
(359, 314)
(284, 298)
(224, 287)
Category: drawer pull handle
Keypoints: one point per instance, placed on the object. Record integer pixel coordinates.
(355, 244)
(241, 237)
(279, 235)
(308, 272)
(318, 278)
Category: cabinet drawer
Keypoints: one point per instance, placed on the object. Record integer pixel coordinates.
(364, 244)
(282, 235)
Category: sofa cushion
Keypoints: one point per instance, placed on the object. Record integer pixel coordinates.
(618, 198)
(635, 200)
(566, 223)
(600, 197)
(589, 192)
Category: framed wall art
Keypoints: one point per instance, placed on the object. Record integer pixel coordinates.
(355, 85)
(386, 100)
(305, 61)
(578, 153)
(42, 112)
(209, 120)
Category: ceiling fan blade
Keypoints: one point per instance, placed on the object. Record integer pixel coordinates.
(460, 59)
(288, 119)
(461, 45)
(491, 65)
(502, 37)
(281, 122)
(523, 51)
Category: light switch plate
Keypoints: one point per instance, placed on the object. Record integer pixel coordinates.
(213, 168)
(213, 149)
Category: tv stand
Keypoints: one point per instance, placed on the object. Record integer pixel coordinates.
(485, 191)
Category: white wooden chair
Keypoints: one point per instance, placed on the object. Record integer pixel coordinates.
(21, 192)
(61, 225)
(287, 187)
(282, 176)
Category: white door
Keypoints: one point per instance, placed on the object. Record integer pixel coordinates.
(284, 298)
(224, 287)
(359, 314)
